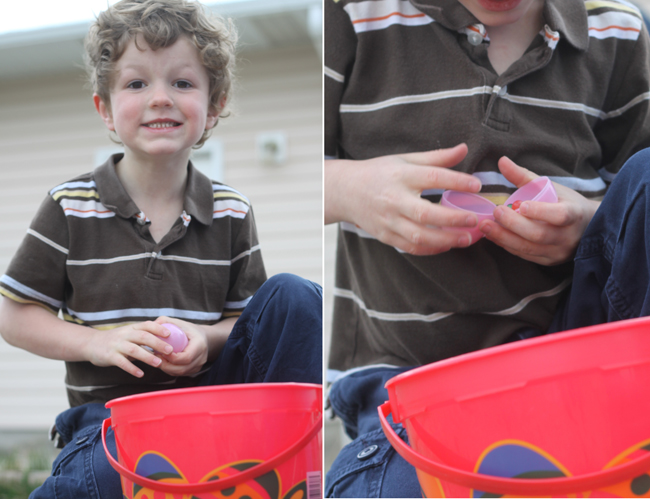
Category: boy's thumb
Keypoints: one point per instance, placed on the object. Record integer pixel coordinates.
(514, 173)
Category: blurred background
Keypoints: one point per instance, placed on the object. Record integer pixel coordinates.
(270, 149)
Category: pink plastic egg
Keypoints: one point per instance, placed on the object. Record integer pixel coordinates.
(177, 338)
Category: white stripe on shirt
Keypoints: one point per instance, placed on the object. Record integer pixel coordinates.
(32, 293)
(230, 208)
(174, 258)
(146, 312)
(542, 294)
(246, 253)
(515, 99)
(615, 25)
(333, 74)
(577, 184)
(414, 99)
(74, 185)
(237, 304)
(377, 15)
(217, 188)
(403, 317)
(47, 241)
(90, 208)
(385, 316)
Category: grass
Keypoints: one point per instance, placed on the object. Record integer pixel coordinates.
(17, 489)
(16, 467)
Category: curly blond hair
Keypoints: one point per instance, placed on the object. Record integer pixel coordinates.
(160, 23)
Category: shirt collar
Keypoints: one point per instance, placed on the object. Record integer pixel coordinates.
(198, 201)
(569, 17)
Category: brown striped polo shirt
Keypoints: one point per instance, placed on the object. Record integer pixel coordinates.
(89, 254)
(404, 76)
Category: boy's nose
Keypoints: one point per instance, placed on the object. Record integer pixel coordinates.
(160, 97)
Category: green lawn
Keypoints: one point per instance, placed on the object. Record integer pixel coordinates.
(16, 489)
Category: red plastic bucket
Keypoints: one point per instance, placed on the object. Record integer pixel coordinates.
(256, 440)
(559, 415)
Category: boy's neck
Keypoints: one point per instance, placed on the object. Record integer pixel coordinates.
(509, 42)
(157, 187)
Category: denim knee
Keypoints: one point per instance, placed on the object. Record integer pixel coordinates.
(82, 470)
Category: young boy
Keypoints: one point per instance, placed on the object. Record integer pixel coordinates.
(559, 87)
(145, 239)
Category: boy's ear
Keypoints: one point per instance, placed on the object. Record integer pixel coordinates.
(104, 112)
(215, 111)
(213, 117)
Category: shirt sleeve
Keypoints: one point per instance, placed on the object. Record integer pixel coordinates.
(625, 127)
(341, 43)
(247, 271)
(37, 272)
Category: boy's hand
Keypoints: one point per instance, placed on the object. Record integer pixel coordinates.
(195, 355)
(544, 233)
(382, 196)
(120, 346)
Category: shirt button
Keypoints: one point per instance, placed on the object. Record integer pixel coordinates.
(367, 452)
(475, 38)
(81, 440)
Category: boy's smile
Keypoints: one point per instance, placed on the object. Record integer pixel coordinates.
(159, 101)
(499, 5)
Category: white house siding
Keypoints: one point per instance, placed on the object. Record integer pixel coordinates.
(50, 132)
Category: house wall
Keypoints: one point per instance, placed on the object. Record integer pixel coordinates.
(50, 132)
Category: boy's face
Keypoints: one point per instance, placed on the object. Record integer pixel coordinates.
(159, 99)
(499, 12)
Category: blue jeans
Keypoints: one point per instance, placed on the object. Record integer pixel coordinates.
(612, 263)
(278, 338)
(611, 282)
(368, 466)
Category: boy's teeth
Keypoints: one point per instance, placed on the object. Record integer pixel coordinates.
(166, 124)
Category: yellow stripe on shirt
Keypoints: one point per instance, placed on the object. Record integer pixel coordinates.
(75, 194)
(598, 4)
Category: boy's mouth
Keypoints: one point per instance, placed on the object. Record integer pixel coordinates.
(499, 5)
(161, 124)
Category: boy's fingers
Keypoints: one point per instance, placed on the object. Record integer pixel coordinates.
(420, 240)
(557, 214)
(155, 327)
(123, 363)
(438, 157)
(424, 212)
(514, 173)
(138, 352)
(529, 230)
(441, 178)
(148, 336)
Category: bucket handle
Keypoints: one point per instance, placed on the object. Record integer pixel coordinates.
(214, 485)
(519, 487)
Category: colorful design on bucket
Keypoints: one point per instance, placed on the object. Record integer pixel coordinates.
(266, 486)
(517, 459)
(637, 487)
(156, 466)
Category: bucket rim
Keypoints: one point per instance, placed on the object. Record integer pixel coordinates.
(212, 388)
(503, 350)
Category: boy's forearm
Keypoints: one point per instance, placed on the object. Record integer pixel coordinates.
(217, 334)
(38, 331)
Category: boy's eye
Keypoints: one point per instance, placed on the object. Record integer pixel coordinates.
(137, 84)
(183, 84)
